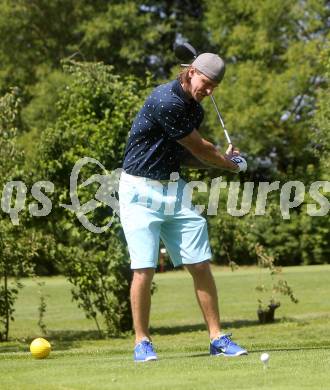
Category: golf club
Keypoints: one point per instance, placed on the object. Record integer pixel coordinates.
(186, 52)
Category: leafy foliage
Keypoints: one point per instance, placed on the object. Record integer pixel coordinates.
(274, 99)
(18, 246)
(130, 35)
(322, 115)
(101, 280)
(278, 284)
(275, 82)
(9, 114)
(268, 94)
(301, 240)
(95, 112)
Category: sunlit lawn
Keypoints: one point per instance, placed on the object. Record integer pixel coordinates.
(298, 342)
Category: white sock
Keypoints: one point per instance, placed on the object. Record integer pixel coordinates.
(220, 335)
(145, 338)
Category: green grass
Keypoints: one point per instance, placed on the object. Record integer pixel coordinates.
(298, 342)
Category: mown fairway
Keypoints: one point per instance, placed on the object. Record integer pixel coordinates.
(298, 342)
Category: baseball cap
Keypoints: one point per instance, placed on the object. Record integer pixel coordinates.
(211, 65)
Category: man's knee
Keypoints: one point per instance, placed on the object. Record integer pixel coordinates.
(199, 268)
(143, 275)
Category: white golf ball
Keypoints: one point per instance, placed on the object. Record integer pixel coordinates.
(264, 357)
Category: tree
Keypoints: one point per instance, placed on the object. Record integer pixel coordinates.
(268, 99)
(130, 35)
(95, 112)
(35, 35)
(316, 231)
(273, 68)
(321, 134)
(18, 246)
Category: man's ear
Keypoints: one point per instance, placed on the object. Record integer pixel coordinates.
(191, 72)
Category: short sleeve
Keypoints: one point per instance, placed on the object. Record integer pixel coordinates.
(172, 117)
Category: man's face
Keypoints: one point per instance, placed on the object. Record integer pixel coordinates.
(200, 85)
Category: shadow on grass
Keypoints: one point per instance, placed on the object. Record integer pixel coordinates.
(177, 329)
(67, 339)
(254, 351)
(19, 346)
(169, 330)
(74, 335)
(61, 340)
(285, 349)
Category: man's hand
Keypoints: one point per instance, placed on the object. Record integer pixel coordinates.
(205, 151)
(231, 151)
(233, 154)
(240, 162)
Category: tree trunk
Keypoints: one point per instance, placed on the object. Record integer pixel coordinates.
(6, 302)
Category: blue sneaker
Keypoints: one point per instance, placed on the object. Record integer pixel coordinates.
(144, 351)
(225, 346)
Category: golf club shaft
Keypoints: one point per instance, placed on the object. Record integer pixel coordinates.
(220, 117)
(186, 52)
(221, 120)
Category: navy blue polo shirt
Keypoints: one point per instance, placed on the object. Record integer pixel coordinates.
(167, 115)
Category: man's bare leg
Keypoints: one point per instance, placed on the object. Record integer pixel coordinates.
(141, 301)
(207, 296)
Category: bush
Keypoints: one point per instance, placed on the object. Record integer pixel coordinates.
(95, 111)
(301, 240)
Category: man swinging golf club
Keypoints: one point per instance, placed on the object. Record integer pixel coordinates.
(163, 137)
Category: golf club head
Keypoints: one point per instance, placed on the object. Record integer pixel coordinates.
(185, 52)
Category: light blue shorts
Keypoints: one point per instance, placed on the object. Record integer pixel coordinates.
(151, 210)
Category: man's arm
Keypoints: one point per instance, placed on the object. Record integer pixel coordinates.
(190, 161)
(206, 152)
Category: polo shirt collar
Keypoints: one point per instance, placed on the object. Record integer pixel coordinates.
(180, 92)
